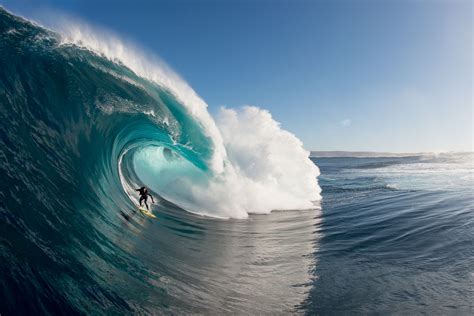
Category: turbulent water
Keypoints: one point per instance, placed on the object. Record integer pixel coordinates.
(86, 120)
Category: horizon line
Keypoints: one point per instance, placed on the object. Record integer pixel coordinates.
(362, 154)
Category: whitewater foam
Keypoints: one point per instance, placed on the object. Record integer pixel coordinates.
(266, 169)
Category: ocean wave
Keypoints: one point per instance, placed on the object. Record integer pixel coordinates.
(82, 128)
(125, 115)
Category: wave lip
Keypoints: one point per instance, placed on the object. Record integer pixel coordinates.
(150, 67)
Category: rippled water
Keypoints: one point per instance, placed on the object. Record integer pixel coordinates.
(378, 244)
(397, 236)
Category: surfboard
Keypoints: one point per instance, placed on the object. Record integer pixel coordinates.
(146, 212)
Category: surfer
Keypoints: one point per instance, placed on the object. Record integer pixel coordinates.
(143, 191)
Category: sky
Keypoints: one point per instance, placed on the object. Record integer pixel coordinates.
(341, 75)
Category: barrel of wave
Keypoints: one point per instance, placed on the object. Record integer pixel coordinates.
(266, 169)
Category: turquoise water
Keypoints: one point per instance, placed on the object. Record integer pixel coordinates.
(81, 131)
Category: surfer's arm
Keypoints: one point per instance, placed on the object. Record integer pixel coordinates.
(151, 198)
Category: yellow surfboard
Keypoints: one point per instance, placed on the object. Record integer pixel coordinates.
(146, 212)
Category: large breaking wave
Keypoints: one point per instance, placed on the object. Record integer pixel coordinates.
(105, 118)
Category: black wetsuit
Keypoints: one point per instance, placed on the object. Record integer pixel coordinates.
(144, 196)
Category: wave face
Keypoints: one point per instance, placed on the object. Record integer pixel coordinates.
(85, 121)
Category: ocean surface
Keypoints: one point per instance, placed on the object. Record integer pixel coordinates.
(396, 236)
(246, 222)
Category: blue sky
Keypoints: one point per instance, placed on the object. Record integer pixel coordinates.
(341, 75)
